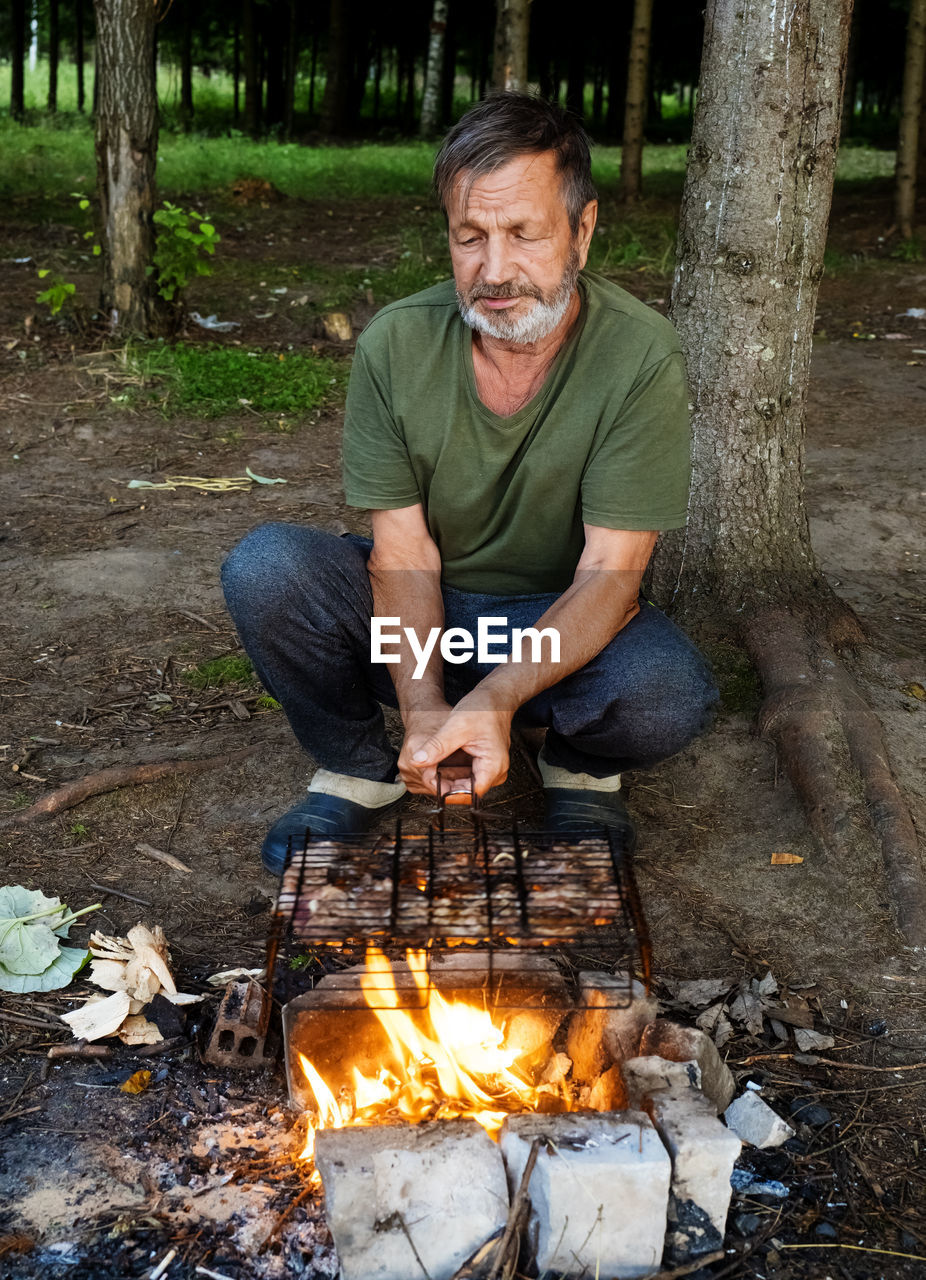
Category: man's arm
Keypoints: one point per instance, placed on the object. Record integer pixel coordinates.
(602, 599)
(405, 571)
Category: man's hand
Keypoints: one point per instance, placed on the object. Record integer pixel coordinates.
(476, 725)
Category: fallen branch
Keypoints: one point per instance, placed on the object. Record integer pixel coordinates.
(825, 731)
(96, 784)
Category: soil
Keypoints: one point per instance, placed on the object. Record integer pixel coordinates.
(112, 594)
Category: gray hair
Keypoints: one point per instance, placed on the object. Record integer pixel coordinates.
(507, 125)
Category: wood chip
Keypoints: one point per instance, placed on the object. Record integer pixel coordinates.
(786, 859)
(159, 855)
(99, 1017)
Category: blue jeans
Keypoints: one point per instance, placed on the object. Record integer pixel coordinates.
(302, 602)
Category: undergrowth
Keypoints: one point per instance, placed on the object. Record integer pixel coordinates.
(212, 380)
(215, 673)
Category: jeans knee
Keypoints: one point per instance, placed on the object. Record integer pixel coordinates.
(264, 563)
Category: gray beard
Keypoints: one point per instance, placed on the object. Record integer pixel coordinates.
(534, 325)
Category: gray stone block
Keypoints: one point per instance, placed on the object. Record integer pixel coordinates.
(755, 1122)
(445, 1182)
(703, 1153)
(599, 1191)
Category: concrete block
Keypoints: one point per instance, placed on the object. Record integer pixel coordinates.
(703, 1153)
(599, 1191)
(689, 1044)
(755, 1122)
(599, 1034)
(445, 1182)
(647, 1076)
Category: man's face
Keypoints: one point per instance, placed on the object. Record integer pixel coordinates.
(515, 259)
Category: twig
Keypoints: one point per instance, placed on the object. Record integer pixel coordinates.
(408, 1237)
(95, 784)
(194, 617)
(293, 1204)
(22, 1020)
(517, 1207)
(214, 1275)
(161, 855)
(79, 1050)
(857, 1248)
(117, 893)
(173, 830)
(843, 1066)
(22, 1089)
(163, 1265)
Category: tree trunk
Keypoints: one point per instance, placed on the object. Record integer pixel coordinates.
(126, 152)
(908, 135)
(575, 76)
(236, 73)
(751, 239)
(337, 71)
(631, 180)
(275, 69)
(186, 66)
(54, 44)
(289, 79)
(79, 53)
(450, 70)
(313, 72)
(509, 62)
(17, 59)
(251, 79)
(434, 72)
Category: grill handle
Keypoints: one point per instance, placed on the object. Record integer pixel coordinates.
(454, 768)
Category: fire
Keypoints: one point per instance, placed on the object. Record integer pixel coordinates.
(447, 1061)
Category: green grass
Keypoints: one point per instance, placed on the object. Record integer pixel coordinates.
(216, 673)
(213, 380)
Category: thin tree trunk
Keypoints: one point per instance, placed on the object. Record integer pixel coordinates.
(79, 53)
(275, 69)
(378, 78)
(908, 136)
(236, 72)
(251, 80)
(186, 67)
(54, 45)
(126, 151)
(575, 77)
(289, 79)
(337, 71)
(17, 59)
(751, 239)
(448, 92)
(631, 179)
(434, 71)
(512, 28)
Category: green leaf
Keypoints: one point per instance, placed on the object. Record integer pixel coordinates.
(262, 479)
(97, 251)
(84, 204)
(43, 272)
(27, 929)
(68, 962)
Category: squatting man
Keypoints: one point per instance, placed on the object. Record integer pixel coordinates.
(520, 437)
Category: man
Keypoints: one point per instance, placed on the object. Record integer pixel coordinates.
(520, 437)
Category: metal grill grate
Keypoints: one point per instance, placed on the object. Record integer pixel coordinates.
(491, 889)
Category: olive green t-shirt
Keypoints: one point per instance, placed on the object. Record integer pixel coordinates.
(605, 440)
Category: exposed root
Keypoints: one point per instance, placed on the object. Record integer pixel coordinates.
(824, 728)
(96, 784)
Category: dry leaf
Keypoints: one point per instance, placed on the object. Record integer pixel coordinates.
(807, 1041)
(698, 992)
(137, 1082)
(786, 859)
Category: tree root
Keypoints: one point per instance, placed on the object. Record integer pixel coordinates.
(824, 728)
(96, 784)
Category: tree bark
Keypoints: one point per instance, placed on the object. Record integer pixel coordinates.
(289, 79)
(79, 53)
(432, 101)
(751, 239)
(337, 71)
(236, 72)
(126, 154)
(252, 92)
(631, 178)
(54, 47)
(512, 28)
(908, 135)
(186, 66)
(17, 59)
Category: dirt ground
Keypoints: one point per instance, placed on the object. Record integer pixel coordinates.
(110, 594)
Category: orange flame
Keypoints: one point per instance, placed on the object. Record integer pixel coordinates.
(447, 1061)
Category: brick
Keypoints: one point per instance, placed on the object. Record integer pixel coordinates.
(445, 1181)
(755, 1122)
(599, 1191)
(703, 1153)
(689, 1044)
(600, 1035)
